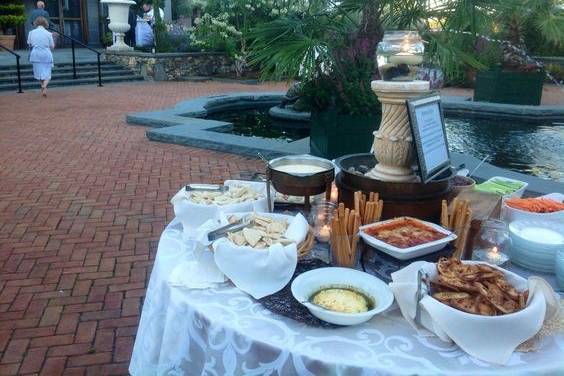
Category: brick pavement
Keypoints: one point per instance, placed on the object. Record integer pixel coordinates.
(83, 199)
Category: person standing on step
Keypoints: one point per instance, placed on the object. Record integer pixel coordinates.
(41, 42)
(39, 11)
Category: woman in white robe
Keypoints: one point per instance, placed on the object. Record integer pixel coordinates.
(41, 42)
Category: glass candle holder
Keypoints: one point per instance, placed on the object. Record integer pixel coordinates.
(493, 243)
(399, 54)
(339, 256)
(320, 219)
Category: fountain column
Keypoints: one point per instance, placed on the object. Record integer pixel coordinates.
(393, 141)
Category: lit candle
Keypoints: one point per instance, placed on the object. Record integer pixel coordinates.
(491, 256)
(324, 234)
(334, 193)
(494, 255)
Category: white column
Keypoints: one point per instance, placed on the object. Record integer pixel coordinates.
(393, 141)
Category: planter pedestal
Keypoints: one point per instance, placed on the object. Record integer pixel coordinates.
(118, 14)
(393, 142)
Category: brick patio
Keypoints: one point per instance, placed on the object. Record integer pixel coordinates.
(83, 199)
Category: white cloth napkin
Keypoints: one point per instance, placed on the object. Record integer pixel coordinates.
(492, 339)
(261, 272)
(198, 270)
(193, 215)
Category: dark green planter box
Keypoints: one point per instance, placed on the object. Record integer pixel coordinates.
(334, 135)
(509, 87)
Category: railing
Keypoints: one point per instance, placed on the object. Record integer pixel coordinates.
(17, 67)
(73, 42)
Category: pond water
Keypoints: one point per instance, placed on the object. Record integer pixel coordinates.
(258, 123)
(530, 148)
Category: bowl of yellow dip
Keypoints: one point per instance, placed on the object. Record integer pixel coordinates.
(342, 296)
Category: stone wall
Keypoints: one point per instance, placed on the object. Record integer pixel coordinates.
(173, 66)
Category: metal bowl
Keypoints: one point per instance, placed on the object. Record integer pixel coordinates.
(300, 184)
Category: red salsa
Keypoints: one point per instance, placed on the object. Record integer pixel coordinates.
(404, 233)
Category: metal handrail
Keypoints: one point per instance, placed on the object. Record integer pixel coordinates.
(73, 41)
(17, 67)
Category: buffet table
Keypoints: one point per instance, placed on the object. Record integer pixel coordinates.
(223, 331)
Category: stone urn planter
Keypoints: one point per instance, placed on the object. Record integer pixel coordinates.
(509, 87)
(7, 41)
(118, 14)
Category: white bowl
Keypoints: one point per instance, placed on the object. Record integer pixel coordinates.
(538, 234)
(518, 193)
(309, 283)
(509, 214)
(411, 252)
(535, 243)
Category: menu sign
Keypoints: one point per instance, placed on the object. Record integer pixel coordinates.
(429, 135)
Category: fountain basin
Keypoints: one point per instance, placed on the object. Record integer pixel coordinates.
(400, 198)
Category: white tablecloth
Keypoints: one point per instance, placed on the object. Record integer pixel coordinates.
(223, 331)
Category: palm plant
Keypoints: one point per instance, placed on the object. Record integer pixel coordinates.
(331, 46)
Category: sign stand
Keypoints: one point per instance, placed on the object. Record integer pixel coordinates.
(429, 135)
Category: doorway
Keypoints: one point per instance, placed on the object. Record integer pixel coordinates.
(70, 17)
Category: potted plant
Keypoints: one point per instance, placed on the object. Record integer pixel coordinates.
(11, 16)
(330, 48)
(513, 77)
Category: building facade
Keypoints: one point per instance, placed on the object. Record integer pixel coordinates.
(80, 19)
(85, 20)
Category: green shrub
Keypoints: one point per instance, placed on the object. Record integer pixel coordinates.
(11, 14)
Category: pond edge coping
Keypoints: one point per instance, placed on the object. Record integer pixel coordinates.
(183, 124)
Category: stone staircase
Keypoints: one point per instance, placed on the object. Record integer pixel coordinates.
(62, 75)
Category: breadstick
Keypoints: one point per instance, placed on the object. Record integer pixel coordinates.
(368, 212)
(453, 205)
(460, 244)
(376, 197)
(372, 212)
(350, 227)
(460, 217)
(444, 214)
(379, 212)
(347, 213)
(357, 201)
(341, 209)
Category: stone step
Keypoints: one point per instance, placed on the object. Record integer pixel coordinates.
(28, 77)
(27, 65)
(71, 82)
(29, 70)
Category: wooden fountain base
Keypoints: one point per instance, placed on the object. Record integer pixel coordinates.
(412, 199)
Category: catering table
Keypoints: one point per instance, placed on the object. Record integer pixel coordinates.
(223, 331)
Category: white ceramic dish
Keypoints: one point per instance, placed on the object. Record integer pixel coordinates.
(534, 309)
(517, 193)
(509, 214)
(535, 244)
(308, 283)
(411, 252)
(538, 233)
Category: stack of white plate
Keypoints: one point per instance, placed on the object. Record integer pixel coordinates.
(535, 243)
